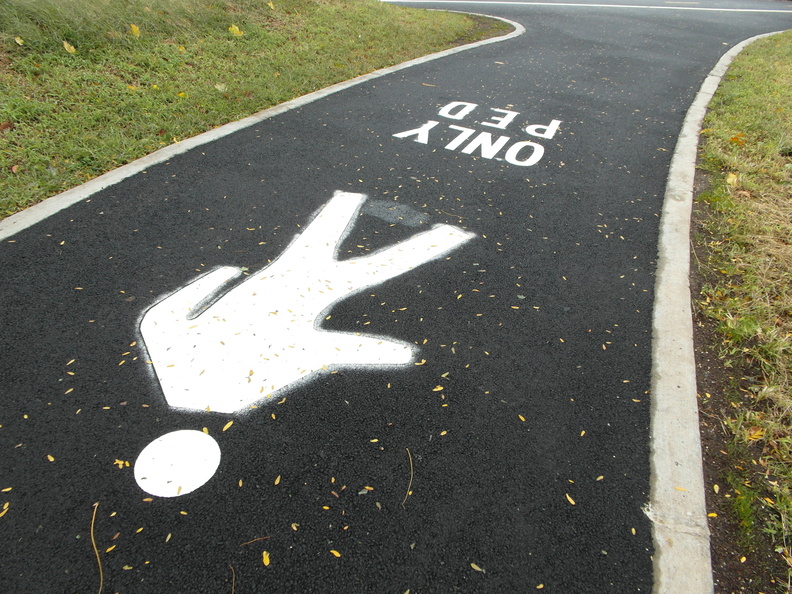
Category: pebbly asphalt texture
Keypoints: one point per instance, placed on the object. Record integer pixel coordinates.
(527, 470)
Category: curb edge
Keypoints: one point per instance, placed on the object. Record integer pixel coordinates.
(677, 507)
(48, 207)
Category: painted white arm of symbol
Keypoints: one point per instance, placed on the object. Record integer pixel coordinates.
(264, 334)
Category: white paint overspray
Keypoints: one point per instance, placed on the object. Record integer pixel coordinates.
(222, 349)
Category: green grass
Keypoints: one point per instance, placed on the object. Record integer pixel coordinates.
(83, 91)
(747, 150)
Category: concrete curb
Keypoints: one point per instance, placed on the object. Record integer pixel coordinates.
(677, 505)
(584, 5)
(38, 212)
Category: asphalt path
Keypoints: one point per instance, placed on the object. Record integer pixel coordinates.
(469, 413)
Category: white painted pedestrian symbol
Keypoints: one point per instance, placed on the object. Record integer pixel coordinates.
(220, 345)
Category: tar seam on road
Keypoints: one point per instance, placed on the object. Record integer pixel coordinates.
(677, 505)
(38, 212)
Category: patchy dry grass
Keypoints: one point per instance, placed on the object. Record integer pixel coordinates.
(747, 150)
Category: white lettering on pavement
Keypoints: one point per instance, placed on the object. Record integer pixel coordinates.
(470, 141)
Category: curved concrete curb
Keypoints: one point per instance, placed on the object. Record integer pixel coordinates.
(38, 212)
(586, 5)
(677, 506)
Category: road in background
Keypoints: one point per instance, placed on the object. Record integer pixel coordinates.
(471, 413)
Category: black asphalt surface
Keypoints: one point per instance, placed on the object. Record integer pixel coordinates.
(527, 470)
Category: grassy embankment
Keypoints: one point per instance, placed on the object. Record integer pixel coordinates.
(747, 151)
(88, 85)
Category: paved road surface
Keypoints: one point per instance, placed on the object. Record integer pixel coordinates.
(397, 338)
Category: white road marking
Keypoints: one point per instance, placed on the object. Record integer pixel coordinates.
(177, 463)
(265, 334)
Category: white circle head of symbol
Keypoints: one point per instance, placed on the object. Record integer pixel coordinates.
(177, 463)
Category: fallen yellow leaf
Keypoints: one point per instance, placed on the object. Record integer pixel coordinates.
(135, 30)
(335, 553)
(234, 30)
(227, 425)
(476, 567)
(265, 558)
(572, 501)
(755, 433)
(69, 47)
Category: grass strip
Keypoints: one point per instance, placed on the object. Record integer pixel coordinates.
(89, 85)
(747, 152)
